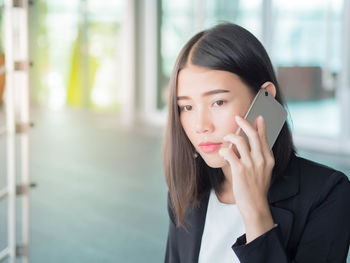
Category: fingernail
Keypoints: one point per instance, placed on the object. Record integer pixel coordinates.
(261, 118)
(238, 118)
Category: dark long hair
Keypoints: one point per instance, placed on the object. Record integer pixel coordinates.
(226, 47)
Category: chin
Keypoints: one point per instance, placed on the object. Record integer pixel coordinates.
(214, 162)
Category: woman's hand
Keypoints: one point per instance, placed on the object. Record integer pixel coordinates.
(251, 175)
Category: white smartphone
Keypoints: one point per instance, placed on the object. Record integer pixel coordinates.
(273, 112)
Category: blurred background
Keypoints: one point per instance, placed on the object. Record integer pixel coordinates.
(83, 113)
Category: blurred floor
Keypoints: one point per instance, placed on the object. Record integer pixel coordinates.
(101, 194)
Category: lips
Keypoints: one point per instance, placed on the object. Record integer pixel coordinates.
(209, 147)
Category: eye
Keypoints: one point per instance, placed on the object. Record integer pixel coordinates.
(220, 102)
(185, 108)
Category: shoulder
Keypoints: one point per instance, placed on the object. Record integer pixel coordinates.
(195, 211)
(319, 174)
(317, 180)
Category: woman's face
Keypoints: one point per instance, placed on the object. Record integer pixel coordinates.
(209, 100)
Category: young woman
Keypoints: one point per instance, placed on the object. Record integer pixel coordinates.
(233, 200)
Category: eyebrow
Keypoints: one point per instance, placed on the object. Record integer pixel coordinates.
(208, 93)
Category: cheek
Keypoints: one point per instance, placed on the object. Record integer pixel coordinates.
(189, 129)
(186, 125)
(225, 119)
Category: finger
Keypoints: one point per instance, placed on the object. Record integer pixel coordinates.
(229, 155)
(267, 152)
(261, 126)
(241, 146)
(235, 150)
(252, 134)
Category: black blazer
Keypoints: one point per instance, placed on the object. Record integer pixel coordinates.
(310, 203)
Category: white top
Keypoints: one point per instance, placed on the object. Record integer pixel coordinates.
(223, 225)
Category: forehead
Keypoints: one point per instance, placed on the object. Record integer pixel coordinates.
(194, 80)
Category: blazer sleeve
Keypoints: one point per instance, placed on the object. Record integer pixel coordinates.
(326, 236)
(171, 254)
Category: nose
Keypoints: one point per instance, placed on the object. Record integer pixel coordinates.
(203, 122)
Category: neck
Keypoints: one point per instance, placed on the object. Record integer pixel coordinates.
(227, 196)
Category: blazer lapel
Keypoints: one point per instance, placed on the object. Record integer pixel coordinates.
(284, 219)
(200, 227)
(191, 239)
(286, 186)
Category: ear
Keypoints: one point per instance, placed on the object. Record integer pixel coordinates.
(270, 87)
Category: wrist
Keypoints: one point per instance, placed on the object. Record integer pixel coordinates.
(258, 223)
(259, 212)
